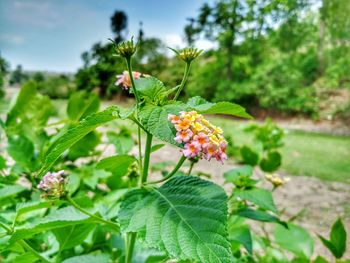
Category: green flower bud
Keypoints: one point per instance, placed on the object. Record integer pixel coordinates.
(126, 49)
(188, 54)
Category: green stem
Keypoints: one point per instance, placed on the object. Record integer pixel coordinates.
(140, 149)
(8, 229)
(100, 219)
(29, 248)
(25, 244)
(130, 248)
(177, 167)
(139, 124)
(147, 158)
(128, 63)
(184, 80)
(191, 167)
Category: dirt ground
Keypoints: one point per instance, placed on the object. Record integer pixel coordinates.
(318, 203)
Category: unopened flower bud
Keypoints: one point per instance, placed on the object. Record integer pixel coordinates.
(276, 180)
(126, 49)
(187, 54)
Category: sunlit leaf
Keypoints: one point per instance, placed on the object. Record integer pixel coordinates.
(294, 239)
(186, 218)
(73, 135)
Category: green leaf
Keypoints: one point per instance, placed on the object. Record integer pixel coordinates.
(241, 234)
(29, 114)
(91, 176)
(294, 239)
(2, 163)
(82, 104)
(63, 217)
(27, 257)
(25, 96)
(10, 190)
(125, 113)
(241, 177)
(320, 259)
(26, 207)
(271, 162)
(73, 135)
(186, 218)
(72, 236)
(155, 120)
(156, 147)
(73, 183)
(202, 106)
(85, 146)
(21, 149)
(118, 165)
(328, 245)
(249, 156)
(123, 142)
(117, 162)
(245, 170)
(151, 89)
(260, 216)
(338, 237)
(337, 242)
(89, 258)
(261, 197)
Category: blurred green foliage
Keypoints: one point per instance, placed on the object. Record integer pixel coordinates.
(272, 54)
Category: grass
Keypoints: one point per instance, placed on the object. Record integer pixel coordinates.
(323, 156)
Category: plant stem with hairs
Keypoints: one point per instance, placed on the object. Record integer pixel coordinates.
(172, 173)
(25, 245)
(184, 80)
(97, 218)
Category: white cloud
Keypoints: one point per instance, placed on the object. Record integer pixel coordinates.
(205, 44)
(12, 39)
(173, 40)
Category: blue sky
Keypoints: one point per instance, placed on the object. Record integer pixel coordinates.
(51, 34)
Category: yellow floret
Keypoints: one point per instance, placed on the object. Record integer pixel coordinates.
(198, 126)
(214, 139)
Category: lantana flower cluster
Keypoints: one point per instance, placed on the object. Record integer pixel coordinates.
(200, 138)
(53, 184)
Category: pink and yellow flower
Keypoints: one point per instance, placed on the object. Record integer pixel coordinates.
(124, 79)
(173, 118)
(200, 138)
(183, 136)
(191, 150)
(183, 124)
(53, 184)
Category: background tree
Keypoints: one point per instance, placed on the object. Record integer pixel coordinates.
(18, 76)
(119, 23)
(100, 67)
(4, 67)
